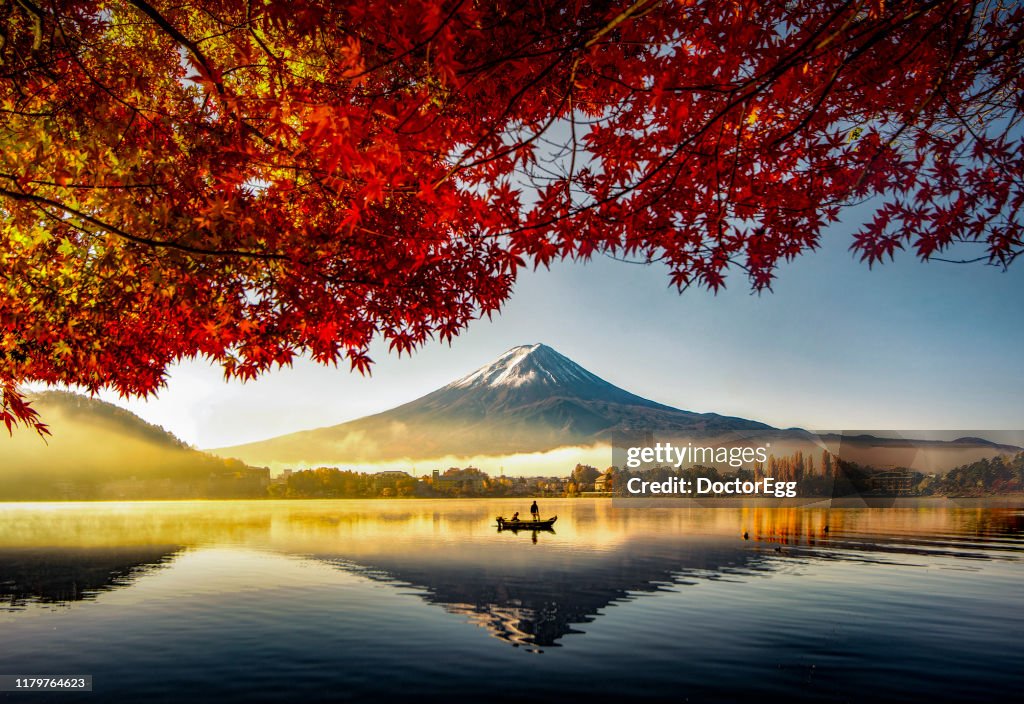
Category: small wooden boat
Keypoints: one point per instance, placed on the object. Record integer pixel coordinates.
(546, 524)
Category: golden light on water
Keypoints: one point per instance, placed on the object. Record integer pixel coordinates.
(367, 526)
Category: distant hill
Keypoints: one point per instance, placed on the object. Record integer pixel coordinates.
(98, 450)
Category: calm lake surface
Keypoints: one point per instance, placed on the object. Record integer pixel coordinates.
(422, 600)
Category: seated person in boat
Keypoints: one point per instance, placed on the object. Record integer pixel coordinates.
(515, 517)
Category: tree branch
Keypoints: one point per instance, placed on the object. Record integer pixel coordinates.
(118, 232)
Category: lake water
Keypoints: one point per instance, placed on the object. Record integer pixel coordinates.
(425, 600)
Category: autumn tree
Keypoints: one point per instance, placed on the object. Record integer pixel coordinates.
(250, 181)
(584, 475)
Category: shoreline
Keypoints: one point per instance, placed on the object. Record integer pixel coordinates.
(1009, 501)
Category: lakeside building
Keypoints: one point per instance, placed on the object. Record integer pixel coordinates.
(389, 478)
(900, 482)
(469, 478)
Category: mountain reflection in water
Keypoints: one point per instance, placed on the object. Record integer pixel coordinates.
(537, 599)
(67, 574)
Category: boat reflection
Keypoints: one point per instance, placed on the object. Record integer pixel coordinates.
(525, 528)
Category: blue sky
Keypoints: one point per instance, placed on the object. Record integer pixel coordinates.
(905, 345)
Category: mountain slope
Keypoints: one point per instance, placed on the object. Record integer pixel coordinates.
(530, 399)
(95, 445)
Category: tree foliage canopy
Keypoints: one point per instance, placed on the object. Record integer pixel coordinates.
(255, 179)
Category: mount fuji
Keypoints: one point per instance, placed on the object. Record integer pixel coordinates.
(530, 399)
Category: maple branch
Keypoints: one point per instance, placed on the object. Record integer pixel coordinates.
(987, 260)
(758, 84)
(184, 41)
(259, 41)
(37, 22)
(208, 70)
(495, 126)
(740, 94)
(135, 110)
(566, 98)
(117, 232)
(859, 51)
(418, 46)
(83, 186)
(1014, 42)
(619, 19)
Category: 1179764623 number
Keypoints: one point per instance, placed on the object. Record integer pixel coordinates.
(45, 683)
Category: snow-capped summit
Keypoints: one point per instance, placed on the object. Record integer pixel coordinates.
(528, 364)
(529, 374)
